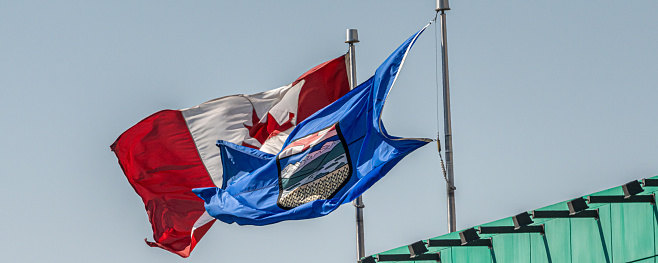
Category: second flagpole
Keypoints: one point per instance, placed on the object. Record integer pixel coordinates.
(442, 6)
(353, 37)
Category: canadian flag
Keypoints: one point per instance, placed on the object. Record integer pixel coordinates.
(171, 152)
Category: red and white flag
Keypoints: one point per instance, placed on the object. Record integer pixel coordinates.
(171, 152)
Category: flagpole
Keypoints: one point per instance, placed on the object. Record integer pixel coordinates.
(442, 6)
(353, 37)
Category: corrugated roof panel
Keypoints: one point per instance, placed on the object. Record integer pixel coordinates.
(624, 232)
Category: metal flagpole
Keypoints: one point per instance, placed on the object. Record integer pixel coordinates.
(442, 6)
(353, 37)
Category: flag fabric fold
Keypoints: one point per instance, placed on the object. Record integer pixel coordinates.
(329, 159)
(171, 152)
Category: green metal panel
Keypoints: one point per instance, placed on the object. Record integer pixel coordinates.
(616, 233)
(400, 250)
(633, 231)
(587, 241)
(520, 243)
(539, 249)
(446, 255)
(655, 223)
(655, 232)
(471, 254)
(624, 233)
(559, 242)
(646, 260)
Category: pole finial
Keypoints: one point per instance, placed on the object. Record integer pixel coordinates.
(442, 5)
(352, 36)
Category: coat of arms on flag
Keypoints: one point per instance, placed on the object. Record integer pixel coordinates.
(314, 167)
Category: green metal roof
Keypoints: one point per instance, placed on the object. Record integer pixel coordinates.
(624, 232)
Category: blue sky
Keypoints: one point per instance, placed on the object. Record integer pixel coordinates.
(550, 101)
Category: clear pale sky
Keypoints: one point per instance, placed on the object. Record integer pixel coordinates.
(550, 100)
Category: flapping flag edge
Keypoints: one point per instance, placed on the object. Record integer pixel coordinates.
(320, 207)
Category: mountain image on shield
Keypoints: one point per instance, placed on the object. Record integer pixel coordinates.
(314, 167)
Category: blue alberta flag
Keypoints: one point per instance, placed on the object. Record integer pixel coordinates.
(329, 159)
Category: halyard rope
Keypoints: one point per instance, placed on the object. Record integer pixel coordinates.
(438, 128)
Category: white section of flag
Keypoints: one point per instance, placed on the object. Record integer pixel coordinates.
(225, 118)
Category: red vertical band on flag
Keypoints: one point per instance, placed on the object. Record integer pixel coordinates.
(323, 85)
(161, 162)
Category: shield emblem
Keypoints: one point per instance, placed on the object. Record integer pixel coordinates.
(314, 167)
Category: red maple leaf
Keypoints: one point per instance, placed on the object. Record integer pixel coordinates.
(261, 130)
